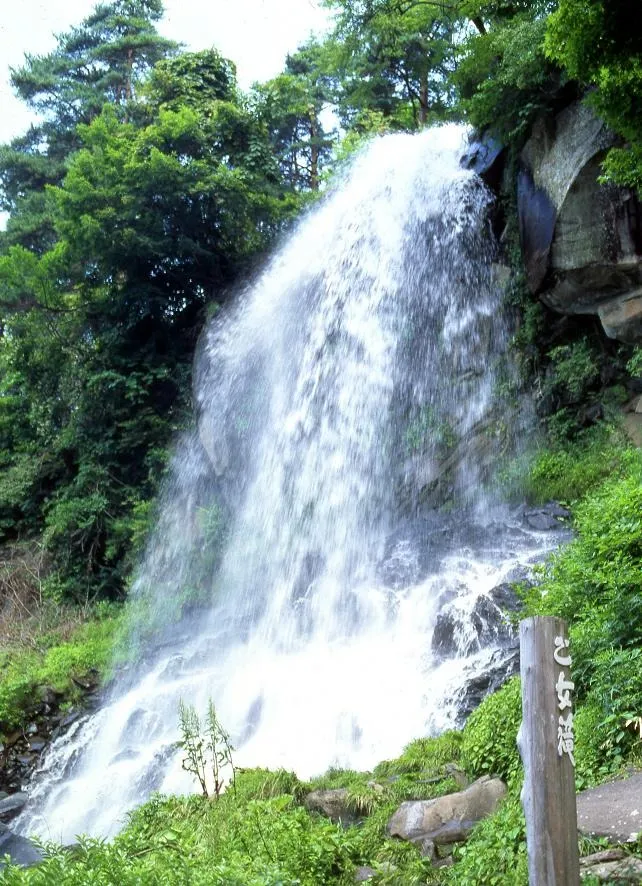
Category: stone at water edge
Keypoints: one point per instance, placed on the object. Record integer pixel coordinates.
(21, 850)
(12, 805)
(332, 803)
(447, 819)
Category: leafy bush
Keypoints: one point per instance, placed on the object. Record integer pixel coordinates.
(264, 784)
(594, 582)
(489, 741)
(427, 755)
(568, 473)
(573, 369)
(504, 78)
(495, 854)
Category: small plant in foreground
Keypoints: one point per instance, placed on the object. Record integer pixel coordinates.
(207, 748)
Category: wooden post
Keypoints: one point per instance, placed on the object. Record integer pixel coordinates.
(547, 748)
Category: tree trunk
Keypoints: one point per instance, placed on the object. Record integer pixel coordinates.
(314, 151)
(423, 101)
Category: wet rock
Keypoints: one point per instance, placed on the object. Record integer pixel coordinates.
(12, 805)
(49, 695)
(502, 667)
(444, 637)
(37, 745)
(485, 156)
(621, 316)
(401, 567)
(458, 632)
(332, 803)
(447, 819)
(20, 850)
(505, 598)
(537, 217)
(547, 517)
(69, 719)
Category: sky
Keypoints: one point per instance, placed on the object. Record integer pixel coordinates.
(255, 34)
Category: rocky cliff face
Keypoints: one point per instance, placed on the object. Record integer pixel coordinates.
(582, 240)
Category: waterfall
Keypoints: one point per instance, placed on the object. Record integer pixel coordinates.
(302, 562)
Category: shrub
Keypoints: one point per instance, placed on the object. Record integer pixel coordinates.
(489, 741)
(568, 472)
(495, 854)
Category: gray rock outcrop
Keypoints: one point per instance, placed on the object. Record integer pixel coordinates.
(12, 805)
(21, 850)
(612, 810)
(582, 240)
(448, 819)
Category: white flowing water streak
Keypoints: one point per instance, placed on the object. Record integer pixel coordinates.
(356, 367)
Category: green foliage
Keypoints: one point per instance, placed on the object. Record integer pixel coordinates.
(391, 58)
(207, 750)
(489, 743)
(495, 853)
(614, 706)
(192, 841)
(55, 663)
(504, 79)
(265, 784)
(424, 755)
(291, 106)
(573, 369)
(568, 472)
(153, 215)
(594, 583)
(634, 364)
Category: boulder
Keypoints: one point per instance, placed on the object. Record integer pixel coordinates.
(447, 819)
(452, 634)
(21, 850)
(547, 517)
(12, 805)
(332, 803)
(503, 665)
(581, 239)
(612, 866)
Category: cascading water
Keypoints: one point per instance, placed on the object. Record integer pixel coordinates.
(351, 384)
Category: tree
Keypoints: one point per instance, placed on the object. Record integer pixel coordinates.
(159, 212)
(503, 78)
(394, 56)
(292, 105)
(104, 59)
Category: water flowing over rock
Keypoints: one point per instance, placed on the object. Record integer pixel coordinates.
(300, 564)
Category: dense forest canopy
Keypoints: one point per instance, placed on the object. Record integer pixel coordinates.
(150, 184)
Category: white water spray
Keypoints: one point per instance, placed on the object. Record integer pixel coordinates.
(352, 383)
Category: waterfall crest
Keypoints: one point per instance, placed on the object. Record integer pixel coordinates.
(350, 386)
